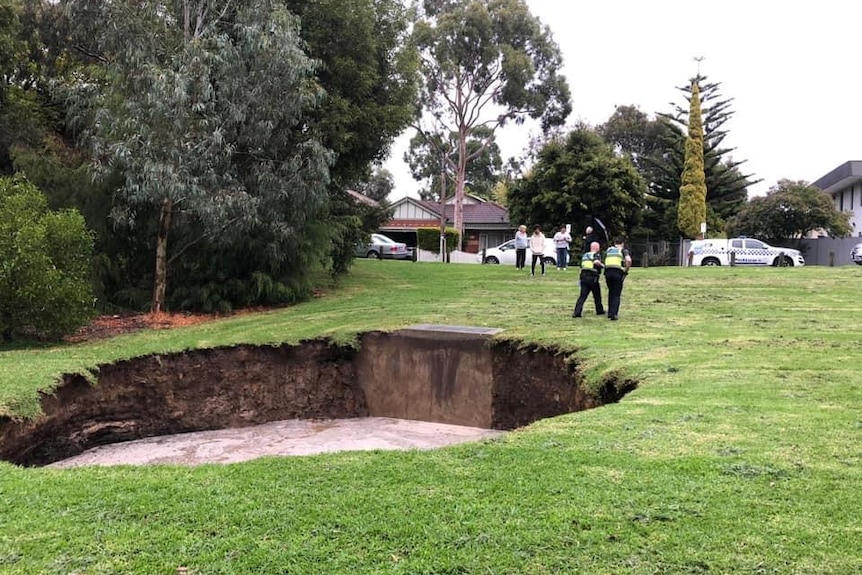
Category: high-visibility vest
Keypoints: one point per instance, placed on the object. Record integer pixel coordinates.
(614, 258)
(588, 261)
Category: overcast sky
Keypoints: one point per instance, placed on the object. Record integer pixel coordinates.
(793, 70)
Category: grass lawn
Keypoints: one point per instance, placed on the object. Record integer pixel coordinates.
(740, 452)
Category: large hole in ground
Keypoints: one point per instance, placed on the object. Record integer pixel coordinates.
(443, 374)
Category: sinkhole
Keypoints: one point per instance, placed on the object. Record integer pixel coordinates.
(454, 375)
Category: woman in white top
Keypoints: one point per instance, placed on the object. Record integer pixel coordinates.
(537, 246)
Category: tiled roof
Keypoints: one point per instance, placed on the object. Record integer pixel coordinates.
(484, 213)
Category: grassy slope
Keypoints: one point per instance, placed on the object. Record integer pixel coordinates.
(741, 452)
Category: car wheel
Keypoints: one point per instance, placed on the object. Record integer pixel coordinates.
(491, 260)
(710, 262)
(550, 261)
(788, 261)
(372, 255)
(859, 263)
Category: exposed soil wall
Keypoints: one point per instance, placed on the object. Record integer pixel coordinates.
(480, 383)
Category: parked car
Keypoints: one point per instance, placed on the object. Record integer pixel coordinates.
(856, 254)
(746, 251)
(383, 247)
(505, 254)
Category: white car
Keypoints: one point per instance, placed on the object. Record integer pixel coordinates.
(856, 254)
(505, 254)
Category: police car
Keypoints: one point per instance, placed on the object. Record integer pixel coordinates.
(746, 252)
(856, 254)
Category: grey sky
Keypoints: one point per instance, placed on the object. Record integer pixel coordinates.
(792, 70)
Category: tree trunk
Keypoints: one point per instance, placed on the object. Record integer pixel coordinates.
(460, 181)
(161, 277)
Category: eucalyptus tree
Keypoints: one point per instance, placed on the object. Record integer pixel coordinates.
(485, 63)
(430, 159)
(692, 192)
(203, 106)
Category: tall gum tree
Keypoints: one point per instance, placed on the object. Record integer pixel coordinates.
(203, 106)
(485, 63)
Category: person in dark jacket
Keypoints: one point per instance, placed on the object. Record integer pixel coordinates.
(591, 269)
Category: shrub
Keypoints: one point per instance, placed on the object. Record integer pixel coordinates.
(44, 265)
(429, 239)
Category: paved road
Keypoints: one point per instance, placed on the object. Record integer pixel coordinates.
(293, 437)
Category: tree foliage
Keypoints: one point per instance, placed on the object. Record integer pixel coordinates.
(378, 186)
(368, 69)
(790, 209)
(692, 192)
(203, 108)
(485, 63)
(576, 179)
(428, 158)
(44, 264)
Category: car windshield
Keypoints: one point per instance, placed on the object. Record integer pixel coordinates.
(381, 239)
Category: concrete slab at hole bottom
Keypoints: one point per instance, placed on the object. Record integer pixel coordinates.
(279, 438)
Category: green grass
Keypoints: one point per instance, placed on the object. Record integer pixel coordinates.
(740, 452)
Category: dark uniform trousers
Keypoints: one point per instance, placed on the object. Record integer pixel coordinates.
(589, 285)
(614, 277)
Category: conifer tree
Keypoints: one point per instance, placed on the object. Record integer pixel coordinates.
(692, 192)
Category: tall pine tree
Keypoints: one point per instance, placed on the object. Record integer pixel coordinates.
(692, 192)
(727, 185)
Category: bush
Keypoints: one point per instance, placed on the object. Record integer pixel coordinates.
(44, 265)
(429, 239)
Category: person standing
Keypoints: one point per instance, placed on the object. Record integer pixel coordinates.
(522, 241)
(537, 247)
(562, 240)
(591, 269)
(617, 264)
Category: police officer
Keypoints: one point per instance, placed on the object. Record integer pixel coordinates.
(591, 268)
(618, 261)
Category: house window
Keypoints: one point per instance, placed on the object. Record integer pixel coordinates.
(841, 202)
(852, 196)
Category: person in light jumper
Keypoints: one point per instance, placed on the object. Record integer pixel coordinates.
(537, 247)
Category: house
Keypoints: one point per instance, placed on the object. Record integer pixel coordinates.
(486, 224)
(844, 184)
